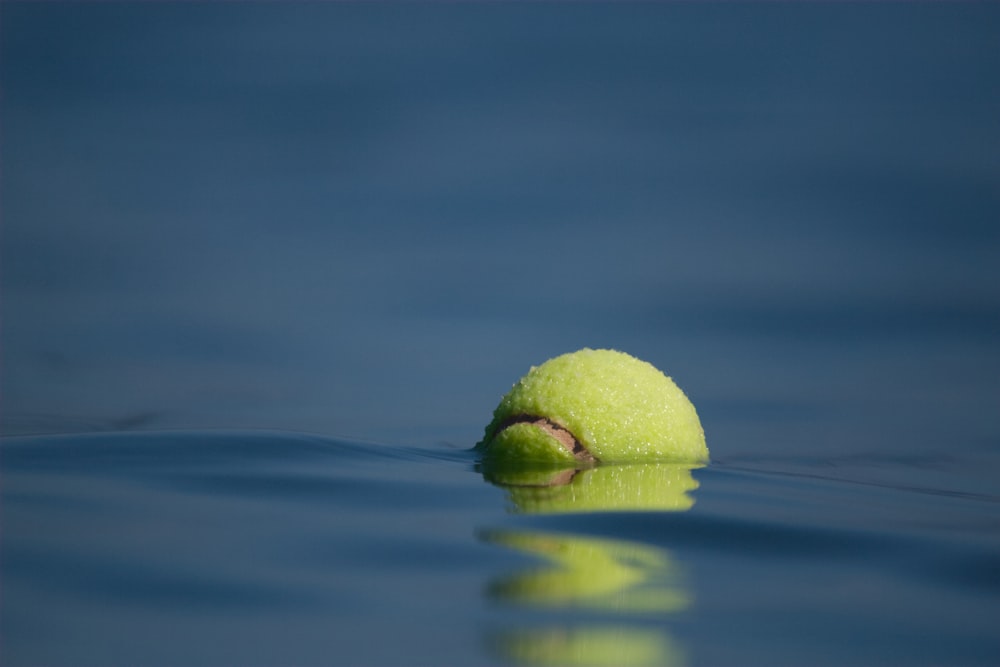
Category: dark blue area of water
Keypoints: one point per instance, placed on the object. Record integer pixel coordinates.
(117, 543)
(265, 271)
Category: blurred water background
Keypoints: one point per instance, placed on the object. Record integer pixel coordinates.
(267, 269)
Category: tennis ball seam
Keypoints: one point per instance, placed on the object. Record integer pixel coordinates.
(553, 429)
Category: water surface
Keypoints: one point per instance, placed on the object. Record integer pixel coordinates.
(264, 548)
(266, 270)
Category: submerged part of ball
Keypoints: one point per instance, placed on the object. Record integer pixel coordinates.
(618, 487)
(594, 406)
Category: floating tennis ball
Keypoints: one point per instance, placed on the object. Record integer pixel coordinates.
(594, 406)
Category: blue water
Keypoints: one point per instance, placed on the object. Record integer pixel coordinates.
(269, 548)
(267, 268)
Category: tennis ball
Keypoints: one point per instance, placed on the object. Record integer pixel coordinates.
(594, 406)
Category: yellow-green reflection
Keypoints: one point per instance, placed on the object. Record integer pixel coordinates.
(661, 487)
(592, 646)
(588, 573)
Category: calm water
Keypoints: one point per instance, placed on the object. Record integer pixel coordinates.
(266, 270)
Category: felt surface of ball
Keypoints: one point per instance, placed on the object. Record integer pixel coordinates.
(594, 406)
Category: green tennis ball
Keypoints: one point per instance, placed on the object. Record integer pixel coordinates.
(594, 406)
